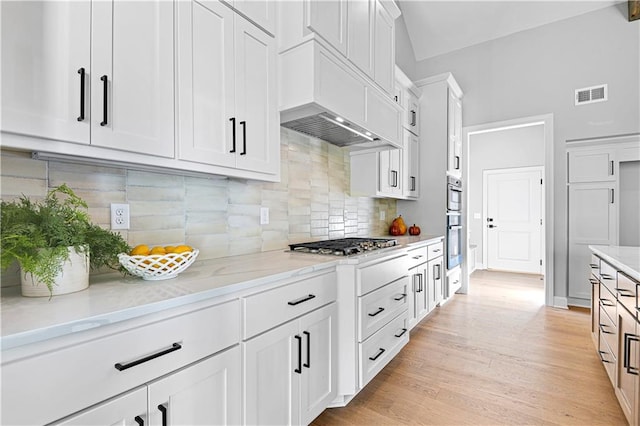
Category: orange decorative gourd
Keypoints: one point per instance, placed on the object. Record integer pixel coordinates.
(414, 230)
(402, 227)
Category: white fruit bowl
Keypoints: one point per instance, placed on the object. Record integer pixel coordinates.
(158, 266)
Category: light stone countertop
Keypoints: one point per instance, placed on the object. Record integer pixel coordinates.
(623, 258)
(112, 298)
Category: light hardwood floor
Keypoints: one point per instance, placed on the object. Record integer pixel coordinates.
(494, 356)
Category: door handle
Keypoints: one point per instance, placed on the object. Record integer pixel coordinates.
(492, 226)
(81, 71)
(413, 183)
(457, 162)
(163, 410)
(233, 134)
(299, 369)
(174, 347)
(105, 95)
(394, 174)
(244, 137)
(308, 363)
(611, 193)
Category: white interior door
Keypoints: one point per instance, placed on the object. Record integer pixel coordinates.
(513, 219)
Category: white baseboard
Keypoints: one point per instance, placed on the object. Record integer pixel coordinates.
(560, 302)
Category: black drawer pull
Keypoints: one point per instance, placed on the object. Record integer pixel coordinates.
(417, 257)
(436, 250)
(173, 348)
(606, 276)
(397, 299)
(593, 266)
(404, 330)
(233, 134)
(600, 353)
(602, 330)
(376, 312)
(139, 420)
(81, 71)
(593, 281)
(607, 302)
(308, 363)
(302, 299)
(630, 293)
(380, 352)
(163, 410)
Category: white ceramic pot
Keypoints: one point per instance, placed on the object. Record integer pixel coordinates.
(73, 277)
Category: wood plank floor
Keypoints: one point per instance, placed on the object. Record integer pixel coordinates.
(496, 356)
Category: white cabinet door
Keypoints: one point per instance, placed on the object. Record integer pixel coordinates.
(258, 123)
(319, 374)
(129, 409)
(328, 19)
(132, 78)
(411, 161)
(262, 12)
(436, 281)
(418, 306)
(384, 55)
(390, 172)
(206, 83)
(454, 126)
(45, 47)
(206, 393)
(360, 23)
(592, 220)
(412, 121)
(595, 165)
(271, 384)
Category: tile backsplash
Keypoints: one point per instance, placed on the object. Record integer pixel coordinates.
(220, 216)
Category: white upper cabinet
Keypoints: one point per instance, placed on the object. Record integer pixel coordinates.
(384, 53)
(595, 165)
(454, 126)
(408, 95)
(45, 61)
(411, 161)
(132, 77)
(361, 19)
(328, 19)
(227, 98)
(390, 172)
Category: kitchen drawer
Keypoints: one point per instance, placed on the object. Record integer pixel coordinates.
(454, 282)
(379, 349)
(417, 256)
(378, 307)
(379, 274)
(608, 303)
(265, 310)
(98, 369)
(608, 360)
(608, 276)
(435, 250)
(628, 293)
(608, 330)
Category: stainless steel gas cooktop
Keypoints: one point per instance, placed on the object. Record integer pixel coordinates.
(343, 246)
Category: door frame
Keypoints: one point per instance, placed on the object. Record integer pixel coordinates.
(485, 175)
(547, 219)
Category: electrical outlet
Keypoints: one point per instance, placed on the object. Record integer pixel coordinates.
(264, 215)
(120, 216)
(383, 215)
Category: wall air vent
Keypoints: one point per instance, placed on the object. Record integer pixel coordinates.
(589, 95)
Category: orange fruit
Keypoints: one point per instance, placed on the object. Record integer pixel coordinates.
(169, 249)
(140, 250)
(183, 248)
(158, 250)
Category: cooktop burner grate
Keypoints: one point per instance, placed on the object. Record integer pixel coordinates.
(343, 246)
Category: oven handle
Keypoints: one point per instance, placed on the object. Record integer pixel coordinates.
(455, 227)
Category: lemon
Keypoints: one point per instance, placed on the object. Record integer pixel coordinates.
(140, 250)
(158, 250)
(169, 249)
(183, 248)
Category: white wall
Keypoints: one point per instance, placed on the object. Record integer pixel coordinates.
(535, 72)
(405, 57)
(519, 147)
(629, 203)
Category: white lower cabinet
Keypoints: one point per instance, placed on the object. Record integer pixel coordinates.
(419, 294)
(289, 371)
(435, 269)
(207, 392)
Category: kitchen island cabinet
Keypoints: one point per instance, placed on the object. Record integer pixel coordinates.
(615, 271)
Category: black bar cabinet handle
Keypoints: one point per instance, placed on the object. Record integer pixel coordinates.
(299, 369)
(625, 292)
(607, 302)
(606, 277)
(402, 296)
(81, 71)
(173, 348)
(308, 363)
(457, 158)
(413, 183)
(404, 330)
(603, 331)
(380, 352)
(612, 197)
(610, 168)
(105, 104)
(163, 410)
(302, 299)
(139, 420)
(413, 118)
(244, 137)
(376, 312)
(600, 353)
(593, 266)
(233, 134)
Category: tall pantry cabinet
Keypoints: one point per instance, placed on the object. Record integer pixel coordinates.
(440, 156)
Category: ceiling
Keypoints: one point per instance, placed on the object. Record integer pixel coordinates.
(438, 27)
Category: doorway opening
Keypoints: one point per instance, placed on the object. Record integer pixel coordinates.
(504, 160)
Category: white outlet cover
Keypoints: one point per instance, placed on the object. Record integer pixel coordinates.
(120, 216)
(264, 215)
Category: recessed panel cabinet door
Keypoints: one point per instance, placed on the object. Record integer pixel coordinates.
(256, 99)
(206, 393)
(45, 61)
(133, 79)
(262, 12)
(384, 55)
(361, 17)
(206, 80)
(328, 19)
(125, 410)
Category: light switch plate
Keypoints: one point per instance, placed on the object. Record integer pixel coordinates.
(383, 215)
(264, 215)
